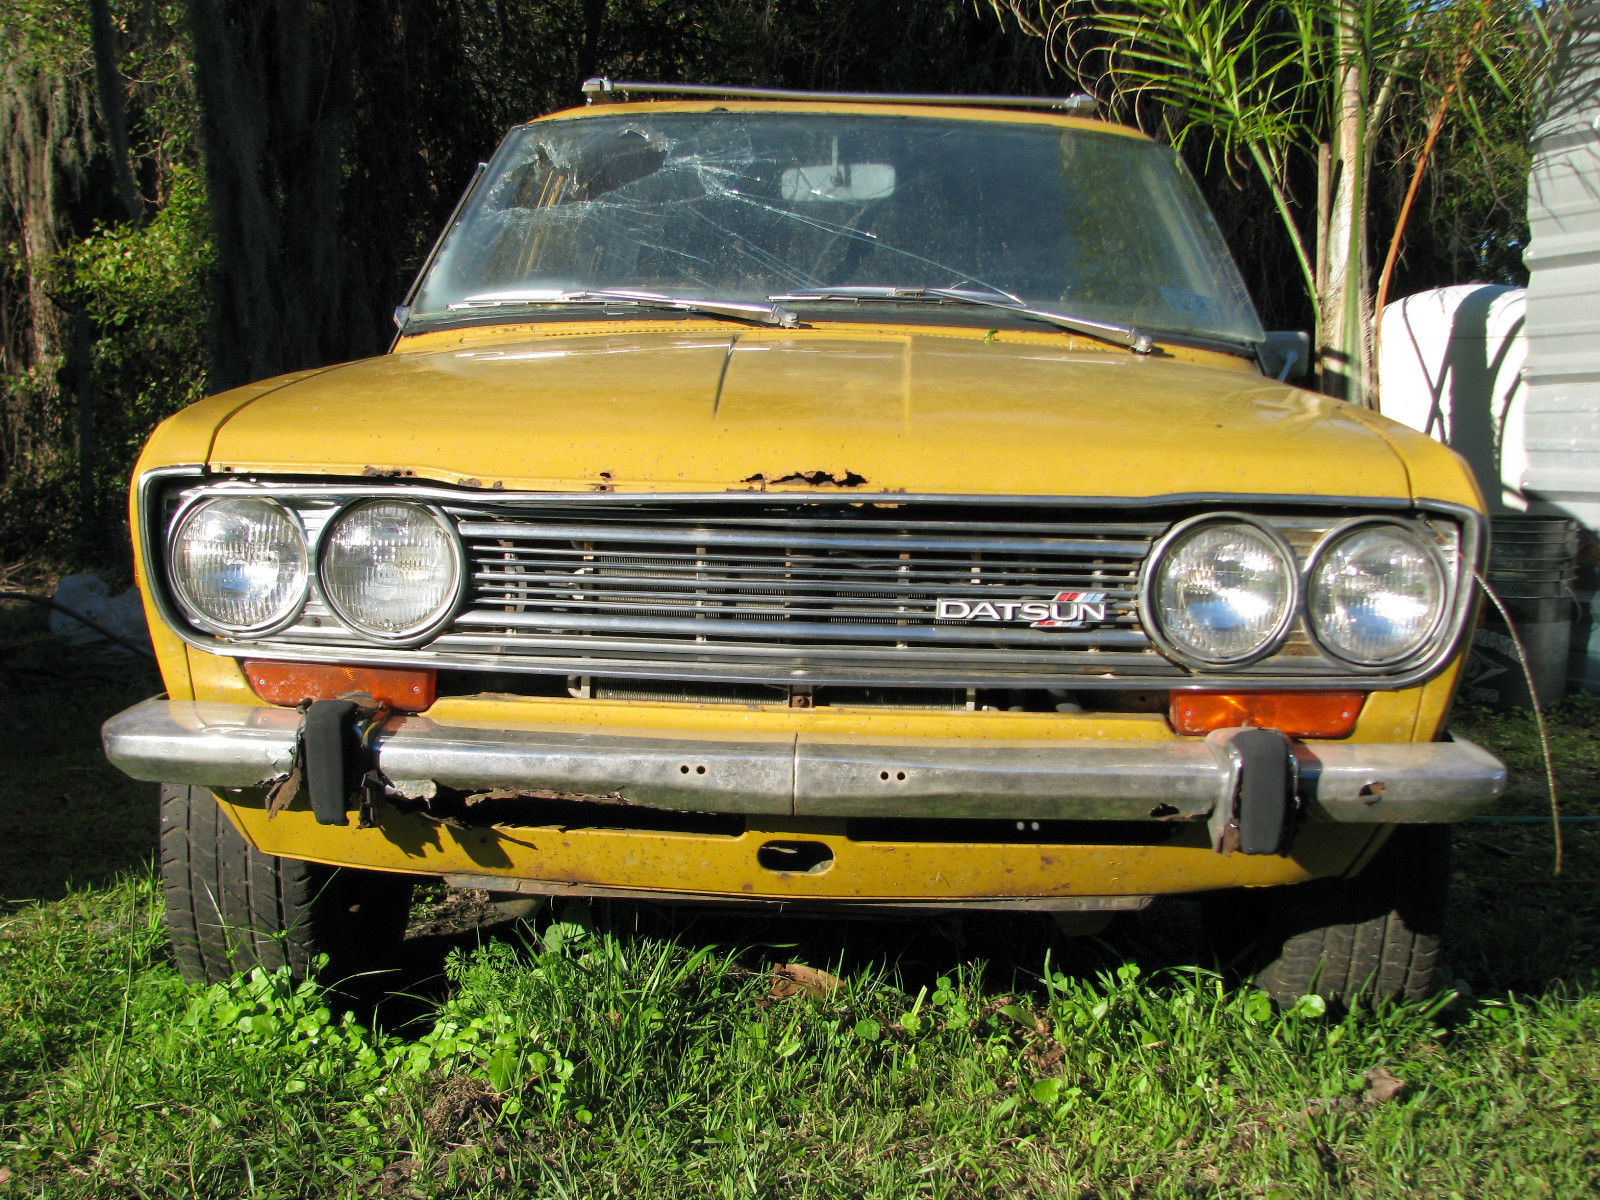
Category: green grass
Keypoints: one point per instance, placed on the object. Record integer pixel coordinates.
(591, 1061)
(618, 1051)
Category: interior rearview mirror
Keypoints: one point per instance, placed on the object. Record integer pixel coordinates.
(838, 181)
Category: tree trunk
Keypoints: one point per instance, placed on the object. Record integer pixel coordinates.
(1343, 336)
(113, 105)
(275, 88)
(45, 153)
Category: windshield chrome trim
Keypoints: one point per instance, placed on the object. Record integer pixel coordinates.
(402, 312)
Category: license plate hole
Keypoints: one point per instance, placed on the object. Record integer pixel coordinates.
(795, 858)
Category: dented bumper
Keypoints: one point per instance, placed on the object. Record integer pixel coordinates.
(241, 746)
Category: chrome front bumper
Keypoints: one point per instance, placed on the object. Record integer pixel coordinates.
(241, 746)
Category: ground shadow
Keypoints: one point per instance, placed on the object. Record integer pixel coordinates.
(1008, 953)
(68, 819)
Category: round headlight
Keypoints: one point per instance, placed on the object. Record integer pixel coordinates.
(390, 568)
(238, 564)
(1376, 594)
(1221, 593)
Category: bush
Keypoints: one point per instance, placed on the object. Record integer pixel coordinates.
(143, 288)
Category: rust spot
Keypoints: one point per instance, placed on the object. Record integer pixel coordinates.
(611, 798)
(849, 479)
(472, 483)
(1163, 812)
(387, 472)
(605, 484)
(1045, 860)
(498, 486)
(1372, 792)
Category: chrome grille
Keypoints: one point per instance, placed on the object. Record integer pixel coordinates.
(797, 590)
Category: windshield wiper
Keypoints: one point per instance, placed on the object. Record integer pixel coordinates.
(1123, 335)
(738, 310)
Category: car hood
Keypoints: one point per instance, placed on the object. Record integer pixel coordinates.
(927, 413)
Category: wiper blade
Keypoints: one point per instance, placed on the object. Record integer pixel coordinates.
(738, 310)
(1123, 335)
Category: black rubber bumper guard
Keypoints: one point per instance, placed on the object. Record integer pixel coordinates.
(1261, 814)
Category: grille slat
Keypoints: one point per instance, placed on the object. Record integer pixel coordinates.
(998, 587)
(745, 603)
(803, 630)
(517, 553)
(705, 535)
(866, 520)
(788, 663)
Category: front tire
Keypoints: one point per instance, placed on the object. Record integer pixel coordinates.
(1369, 938)
(231, 908)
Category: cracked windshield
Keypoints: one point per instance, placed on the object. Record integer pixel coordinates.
(739, 209)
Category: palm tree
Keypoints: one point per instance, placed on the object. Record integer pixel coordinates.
(1279, 86)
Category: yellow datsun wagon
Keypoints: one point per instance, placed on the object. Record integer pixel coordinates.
(840, 502)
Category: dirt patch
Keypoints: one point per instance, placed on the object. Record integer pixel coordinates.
(463, 1105)
(441, 911)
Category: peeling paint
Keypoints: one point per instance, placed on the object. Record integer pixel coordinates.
(387, 473)
(848, 479)
(413, 789)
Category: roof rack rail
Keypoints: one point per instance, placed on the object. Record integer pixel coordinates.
(603, 90)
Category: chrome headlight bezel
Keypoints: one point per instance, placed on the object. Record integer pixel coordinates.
(283, 616)
(1153, 578)
(1426, 644)
(438, 616)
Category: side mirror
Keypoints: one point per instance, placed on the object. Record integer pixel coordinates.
(1285, 355)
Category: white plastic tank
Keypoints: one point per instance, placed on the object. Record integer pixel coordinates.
(1450, 365)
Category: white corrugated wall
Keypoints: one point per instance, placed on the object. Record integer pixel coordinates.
(1563, 313)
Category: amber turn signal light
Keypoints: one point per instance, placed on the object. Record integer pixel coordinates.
(290, 683)
(1298, 714)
